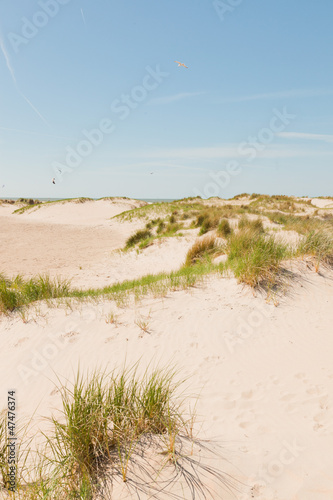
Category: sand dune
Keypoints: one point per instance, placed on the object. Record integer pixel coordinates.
(64, 239)
(264, 378)
(322, 202)
(263, 374)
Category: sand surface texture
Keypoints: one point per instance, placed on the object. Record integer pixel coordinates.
(263, 374)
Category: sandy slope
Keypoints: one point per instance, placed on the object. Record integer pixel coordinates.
(71, 240)
(264, 374)
(322, 202)
(77, 241)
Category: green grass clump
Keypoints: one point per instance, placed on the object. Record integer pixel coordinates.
(104, 418)
(301, 224)
(200, 250)
(154, 222)
(140, 235)
(242, 195)
(9, 299)
(318, 244)
(224, 229)
(255, 258)
(18, 292)
(251, 224)
(174, 208)
(206, 226)
(146, 243)
(171, 229)
(12, 299)
(113, 426)
(28, 201)
(207, 220)
(160, 227)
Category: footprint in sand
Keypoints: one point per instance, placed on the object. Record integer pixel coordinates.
(287, 397)
(71, 336)
(323, 420)
(275, 380)
(228, 405)
(109, 339)
(245, 425)
(316, 391)
(19, 342)
(293, 408)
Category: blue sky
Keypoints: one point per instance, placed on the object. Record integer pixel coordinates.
(90, 94)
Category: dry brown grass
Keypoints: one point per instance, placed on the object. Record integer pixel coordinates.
(200, 250)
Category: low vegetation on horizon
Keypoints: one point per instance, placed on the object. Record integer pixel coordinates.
(245, 230)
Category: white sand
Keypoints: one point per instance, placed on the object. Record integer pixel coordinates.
(264, 374)
(322, 202)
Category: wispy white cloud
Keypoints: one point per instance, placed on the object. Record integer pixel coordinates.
(7, 59)
(163, 164)
(301, 135)
(282, 94)
(228, 151)
(31, 132)
(173, 98)
(200, 153)
(151, 166)
(83, 18)
(12, 74)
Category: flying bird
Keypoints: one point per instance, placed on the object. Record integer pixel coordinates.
(53, 180)
(181, 64)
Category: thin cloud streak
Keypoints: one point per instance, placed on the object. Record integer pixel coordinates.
(173, 98)
(283, 94)
(157, 164)
(12, 74)
(19, 131)
(301, 135)
(230, 151)
(6, 56)
(84, 20)
(123, 167)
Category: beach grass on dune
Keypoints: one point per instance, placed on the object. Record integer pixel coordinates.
(145, 237)
(318, 244)
(110, 423)
(137, 237)
(301, 224)
(201, 250)
(39, 204)
(224, 229)
(255, 225)
(160, 208)
(154, 283)
(254, 257)
(104, 418)
(17, 293)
